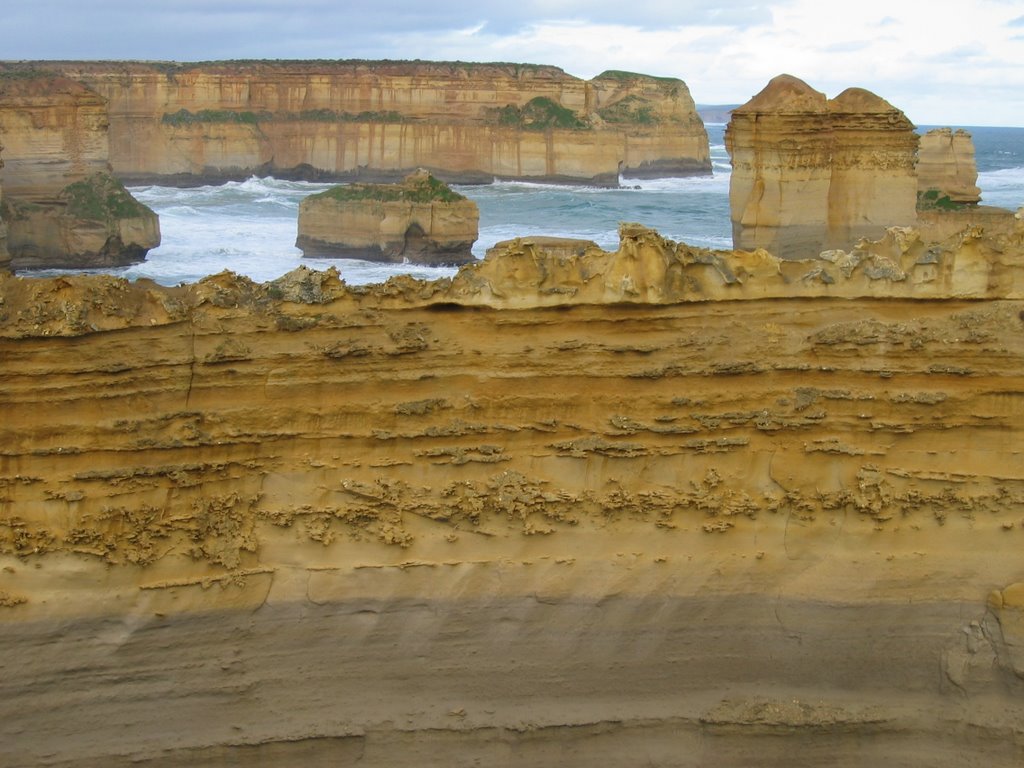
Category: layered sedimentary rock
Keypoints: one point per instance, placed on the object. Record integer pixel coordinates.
(5, 257)
(811, 174)
(421, 220)
(873, 176)
(946, 168)
(379, 120)
(61, 205)
(565, 508)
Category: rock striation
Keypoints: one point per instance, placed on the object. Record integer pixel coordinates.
(421, 220)
(813, 174)
(5, 256)
(684, 506)
(62, 207)
(377, 121)
(946, 168)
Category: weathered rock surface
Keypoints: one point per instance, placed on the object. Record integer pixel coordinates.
(61, 205)
(377, 121)
(421, 220)
(946, 167)
(813, 174)
(5, 257)
(977, 262)
(567, 508)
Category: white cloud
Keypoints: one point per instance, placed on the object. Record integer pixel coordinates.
(941, 61)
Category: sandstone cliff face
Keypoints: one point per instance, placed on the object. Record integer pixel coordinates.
(811, 174)
(62, 207)
(564, 508)
(946, 166)
(873, 182)
(421, 220)
(379, 120)
(5, 257)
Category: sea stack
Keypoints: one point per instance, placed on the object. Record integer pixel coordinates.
(62, 206)
(779, 143)
(873, 182)
(421, 220)
(813, 174)
(946, 167)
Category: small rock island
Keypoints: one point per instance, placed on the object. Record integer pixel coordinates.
(420, 220)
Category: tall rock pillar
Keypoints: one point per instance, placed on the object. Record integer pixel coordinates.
(810, 174)
(779, 142)
(947, 168)
(874, 182)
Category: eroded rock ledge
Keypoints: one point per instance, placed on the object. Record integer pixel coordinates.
(567, 503)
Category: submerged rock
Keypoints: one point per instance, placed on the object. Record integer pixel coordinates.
(420, 220)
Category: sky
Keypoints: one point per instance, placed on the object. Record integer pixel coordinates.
(943, 62)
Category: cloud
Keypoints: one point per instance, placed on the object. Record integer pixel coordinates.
(215, 28)
(914, 57)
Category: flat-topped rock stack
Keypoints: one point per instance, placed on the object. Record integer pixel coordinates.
(421, 220)
(62, 206)
(812, 174)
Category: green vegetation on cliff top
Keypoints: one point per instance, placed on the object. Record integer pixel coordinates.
(619, 74)
(540, 114)
(632, 109)
(421, 188)
(101, 197)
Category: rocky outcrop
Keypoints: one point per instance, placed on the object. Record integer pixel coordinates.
(975, 263)
(62, 207)
(947, 174)
(421, 220)
(5, 257)
(813, 174)
(302, 522)
(377, 121)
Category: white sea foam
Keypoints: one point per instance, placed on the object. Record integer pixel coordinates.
(250, 226)
(1004, 187)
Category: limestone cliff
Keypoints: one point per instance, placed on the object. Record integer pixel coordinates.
(5, 257)
(811, 174)
(946, 168)
(61, 206)
(421, 220)
(376, 121)
(568, 508)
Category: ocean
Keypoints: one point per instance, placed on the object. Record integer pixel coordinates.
(249, 227)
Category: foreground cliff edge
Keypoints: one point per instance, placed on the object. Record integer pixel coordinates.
(567, 507)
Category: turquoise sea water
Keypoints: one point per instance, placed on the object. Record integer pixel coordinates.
(249, 227)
